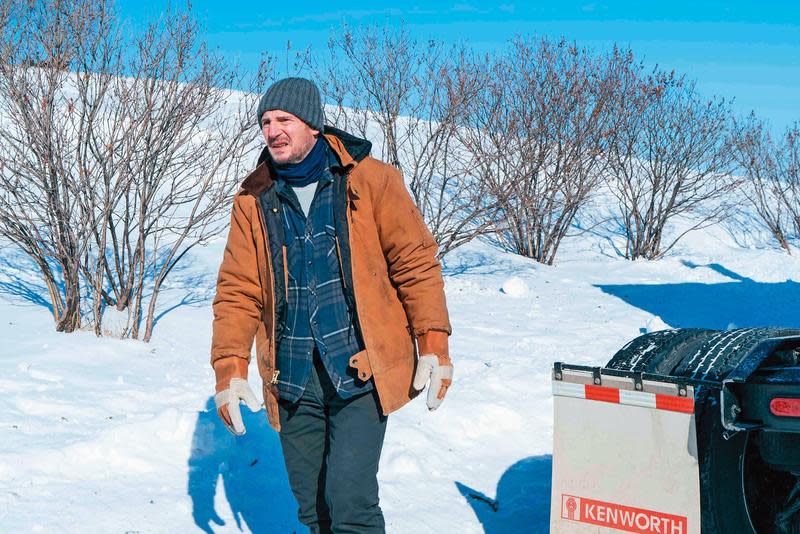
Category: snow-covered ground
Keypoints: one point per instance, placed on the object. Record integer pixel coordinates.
(103, 435)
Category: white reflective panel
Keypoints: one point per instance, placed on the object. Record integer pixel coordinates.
(623, 467)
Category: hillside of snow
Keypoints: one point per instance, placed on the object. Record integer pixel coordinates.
(103, 435)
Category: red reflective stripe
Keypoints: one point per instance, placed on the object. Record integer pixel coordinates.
(600, 393)
(663, 402)
(675, 404)
(784, 407)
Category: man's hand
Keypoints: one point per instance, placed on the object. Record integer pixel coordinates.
(232, 387)
(227, 402)
(437, 369)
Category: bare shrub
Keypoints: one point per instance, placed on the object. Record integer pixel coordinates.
(769, 173)
(121, 155)
(186, 144)
(671, 156)
(538, 131)
(418, 96)
(39, 159)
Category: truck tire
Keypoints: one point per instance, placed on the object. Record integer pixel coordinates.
(741, 493)
(722, 499)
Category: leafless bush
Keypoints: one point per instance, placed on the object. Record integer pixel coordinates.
(179, 164)
(370, 77)
(39, 160)
(147, 145)
(671, 156)
(418, 96)
(538, 130)
(790, 163)
(768, 168)
(772, 177)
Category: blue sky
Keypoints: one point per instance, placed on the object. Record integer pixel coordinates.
(749, 51)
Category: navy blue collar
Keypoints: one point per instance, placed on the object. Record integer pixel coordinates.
(307, 171)
(283, 189)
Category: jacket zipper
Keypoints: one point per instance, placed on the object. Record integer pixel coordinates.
(262, 220)
(341, 264)
(349, 221)
(285, 274)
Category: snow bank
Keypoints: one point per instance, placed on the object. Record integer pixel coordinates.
(119, 436)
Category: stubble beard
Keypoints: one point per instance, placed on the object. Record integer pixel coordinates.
(293, 156)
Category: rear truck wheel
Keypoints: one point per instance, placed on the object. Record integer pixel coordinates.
(749, 479)
(746, 478)
(769, 488)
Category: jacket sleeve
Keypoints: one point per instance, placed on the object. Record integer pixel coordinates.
(410, 252)
(238, 301)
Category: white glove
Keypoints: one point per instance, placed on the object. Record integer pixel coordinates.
(238, 390)
(440, 375)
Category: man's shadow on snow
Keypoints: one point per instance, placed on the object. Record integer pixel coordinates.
(742, 302)
(252, 474)
(522, 499)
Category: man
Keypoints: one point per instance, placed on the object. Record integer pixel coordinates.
(331, 269)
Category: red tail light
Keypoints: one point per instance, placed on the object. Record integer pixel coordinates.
(784, 407)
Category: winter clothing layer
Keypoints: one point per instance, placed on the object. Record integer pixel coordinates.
(317, 313)
(388, 263)
(305, 195)
(307, 171)
(332, 447)
(298, 96)
(238, 390)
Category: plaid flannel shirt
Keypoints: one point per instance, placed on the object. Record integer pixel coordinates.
(317, 315)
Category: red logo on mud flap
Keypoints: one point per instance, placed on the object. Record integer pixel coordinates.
(570, 507)
(620, 517)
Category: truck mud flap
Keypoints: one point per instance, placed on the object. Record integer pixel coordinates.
(624, 455)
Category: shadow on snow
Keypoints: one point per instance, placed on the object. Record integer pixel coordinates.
(17, 283)
(522, 499)
(247, 472)
(21, 281)
(740, 303)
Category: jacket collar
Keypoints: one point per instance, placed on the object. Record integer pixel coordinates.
(258, 180)
(347, 148)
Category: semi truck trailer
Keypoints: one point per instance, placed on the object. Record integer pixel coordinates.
(681, 431)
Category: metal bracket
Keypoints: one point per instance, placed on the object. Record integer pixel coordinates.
(729, 408)
(637, 382)
(558, 373)
(728, 434)
(596, 378)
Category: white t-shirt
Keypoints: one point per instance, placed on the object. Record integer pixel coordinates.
(305, 195)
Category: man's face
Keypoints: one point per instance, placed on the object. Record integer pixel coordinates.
(289, 139)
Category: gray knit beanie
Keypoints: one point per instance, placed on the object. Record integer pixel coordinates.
(298, 96)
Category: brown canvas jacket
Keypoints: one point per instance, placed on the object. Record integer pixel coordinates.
(397, 283)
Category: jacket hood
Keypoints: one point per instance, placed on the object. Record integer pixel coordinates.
(348, 148)
(356, 147)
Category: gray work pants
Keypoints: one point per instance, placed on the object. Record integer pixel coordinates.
(331, 447)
